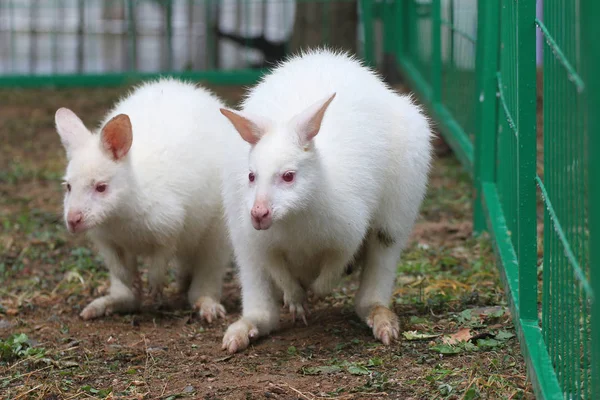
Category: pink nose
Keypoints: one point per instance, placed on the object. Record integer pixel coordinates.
(74, 219)
(261, 216)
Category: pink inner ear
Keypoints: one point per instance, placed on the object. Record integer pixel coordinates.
(310, 120)
(248, 130)
(117, 136)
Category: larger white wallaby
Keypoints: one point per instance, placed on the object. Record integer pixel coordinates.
(148, 183)
(332, 172)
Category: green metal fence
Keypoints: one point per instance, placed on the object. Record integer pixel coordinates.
(480, 87)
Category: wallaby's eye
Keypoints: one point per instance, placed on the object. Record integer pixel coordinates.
(100, 187)
(67, 186)
(251, 177)
(288, 176)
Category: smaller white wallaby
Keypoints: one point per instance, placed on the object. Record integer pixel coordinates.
(332, 172)
(148, 183)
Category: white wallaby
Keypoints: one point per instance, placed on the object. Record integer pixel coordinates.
(332, 172)
(148, 183)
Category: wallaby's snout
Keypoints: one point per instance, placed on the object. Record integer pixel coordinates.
(75, 221)
(261, 215)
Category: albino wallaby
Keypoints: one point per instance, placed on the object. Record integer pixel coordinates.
(149, 183)
(333, 170)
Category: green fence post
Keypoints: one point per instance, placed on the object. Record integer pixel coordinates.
(451, 30)
(436, 52)
(591, 33)
(526, 161)
(400, 29)
(484, 169)
(389, 27)
(366, 8)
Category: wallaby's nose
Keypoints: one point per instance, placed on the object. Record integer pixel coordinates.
(74, 219)
(261, 216)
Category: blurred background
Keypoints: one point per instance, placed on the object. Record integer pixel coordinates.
(96, 36)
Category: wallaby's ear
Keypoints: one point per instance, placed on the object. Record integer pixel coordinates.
(71, 130)
(308, 122)
(116, 137)
(250, 129)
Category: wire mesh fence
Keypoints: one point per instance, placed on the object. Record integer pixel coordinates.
(458, 32)
(529, 178)
(566, 317)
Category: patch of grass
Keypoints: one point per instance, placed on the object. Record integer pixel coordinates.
(98, 393)
(18, 346)
(336, 366)
(376, 383)
(436, 277)
(20, 172)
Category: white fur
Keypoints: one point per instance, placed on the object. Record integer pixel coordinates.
(365, 172)
(163, 198)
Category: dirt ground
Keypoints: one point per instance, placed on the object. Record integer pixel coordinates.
(458, 340)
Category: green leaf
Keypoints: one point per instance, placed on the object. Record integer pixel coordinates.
(504, 335)
(358, 370)
(446, 349)
(19, 346)
(445, 389)
(375, 362)
(471, 394)
(323, 369)
(292, 351)
(419, 320)
(497, 313)
(469, 346)
(488, 343)
(465, 316)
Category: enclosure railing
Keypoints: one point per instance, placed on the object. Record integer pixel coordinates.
(474, 66)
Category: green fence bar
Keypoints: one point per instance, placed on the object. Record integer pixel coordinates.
(426, 80)
(590, 9)
(486, 104)
(563, 355)
(366, 9)
(436, 52)
(526, 160)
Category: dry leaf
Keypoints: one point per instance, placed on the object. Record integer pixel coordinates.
(462, 335)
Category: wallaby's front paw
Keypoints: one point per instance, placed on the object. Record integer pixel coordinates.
(96, 309)
(385, 324)
(106, 305)
(238, 336)
(209, 309)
